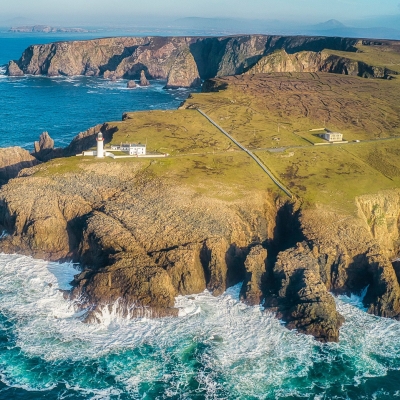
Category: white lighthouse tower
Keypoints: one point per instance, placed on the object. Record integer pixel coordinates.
(100, 145)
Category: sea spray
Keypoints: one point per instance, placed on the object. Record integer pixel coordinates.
(217, 348)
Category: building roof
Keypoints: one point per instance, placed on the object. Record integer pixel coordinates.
(131, 145)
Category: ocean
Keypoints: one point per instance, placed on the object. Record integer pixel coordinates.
(217, 348)
(66, 106)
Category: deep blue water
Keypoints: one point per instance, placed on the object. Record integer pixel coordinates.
(218, 348)
(66, 106)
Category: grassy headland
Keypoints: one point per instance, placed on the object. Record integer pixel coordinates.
(273, 115)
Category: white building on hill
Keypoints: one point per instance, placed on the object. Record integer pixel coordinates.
(332, 136)
(131, 148)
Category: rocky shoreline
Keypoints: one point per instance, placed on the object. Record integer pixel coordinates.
(187, 61)
(142, 241)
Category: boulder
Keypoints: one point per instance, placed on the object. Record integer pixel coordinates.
(131, 84)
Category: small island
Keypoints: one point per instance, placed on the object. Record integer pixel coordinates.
(46, 29)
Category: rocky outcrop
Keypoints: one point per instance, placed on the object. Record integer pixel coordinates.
(381, 214)
(180, 60)
(299, 296)
(184, 72)
(142, 241)
(252, 291)
(324, 61)
(131, 84)
(134, 283)
(13, 69)
(351, 259)
(143, 79)
(12, 161)
(87, 139)
(43, 150)
(184, 268)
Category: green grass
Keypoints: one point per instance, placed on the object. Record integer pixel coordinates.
(254, 108)
(335, 175)
(257, 111)
(174, 132)
(380, 56)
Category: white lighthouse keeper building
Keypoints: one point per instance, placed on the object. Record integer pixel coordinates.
(100, 146)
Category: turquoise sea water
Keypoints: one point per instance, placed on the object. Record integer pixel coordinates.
(217, 348)
(65, 106)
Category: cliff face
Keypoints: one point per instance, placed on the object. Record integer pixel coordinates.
(143, 241)
(12, 161)
(323, 61)
(184, 71)
(353, 256)
(183, 61)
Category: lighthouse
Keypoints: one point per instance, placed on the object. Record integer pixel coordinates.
(100, 144)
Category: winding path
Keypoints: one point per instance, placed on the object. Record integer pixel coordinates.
(252, 155)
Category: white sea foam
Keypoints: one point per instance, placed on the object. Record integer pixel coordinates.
(247, 349)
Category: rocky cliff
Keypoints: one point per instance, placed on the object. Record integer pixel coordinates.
(323, 61)
(143, 240)
(12, 161)
(183, 61)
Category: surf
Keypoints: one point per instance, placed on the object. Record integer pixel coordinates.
(217, 347)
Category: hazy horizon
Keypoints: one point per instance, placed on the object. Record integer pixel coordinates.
(97, 12)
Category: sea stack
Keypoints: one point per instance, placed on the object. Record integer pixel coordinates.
(143, 79)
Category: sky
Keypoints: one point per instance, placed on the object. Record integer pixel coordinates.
(100, 11)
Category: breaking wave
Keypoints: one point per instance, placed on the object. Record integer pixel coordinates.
(218, 348)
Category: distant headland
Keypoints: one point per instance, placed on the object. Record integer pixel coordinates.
(46, 29)
(187, 61)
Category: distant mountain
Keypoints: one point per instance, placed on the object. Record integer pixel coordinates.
(331, 24)
(332, 27)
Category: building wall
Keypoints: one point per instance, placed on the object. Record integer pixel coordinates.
(333, 137)
(137, 150)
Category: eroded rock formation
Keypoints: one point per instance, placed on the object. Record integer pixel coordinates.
(299, 296)
(323, 61)
(182, 61)
(131, 84)
(252, 291)
(12, 161)
(143, 241)
(184, 72)
(143, 79)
